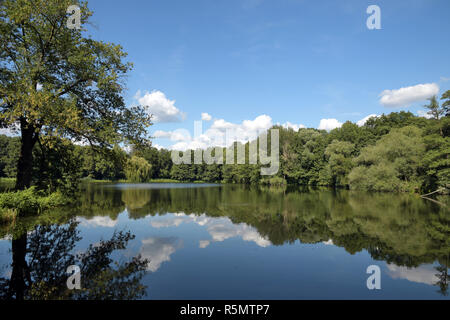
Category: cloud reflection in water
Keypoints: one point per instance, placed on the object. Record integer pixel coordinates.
(220, 229)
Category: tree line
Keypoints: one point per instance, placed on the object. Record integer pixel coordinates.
(395, 152)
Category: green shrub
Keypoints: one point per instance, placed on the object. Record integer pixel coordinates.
(7, 215)
(56, 199)
(30, 201)
(24, 201)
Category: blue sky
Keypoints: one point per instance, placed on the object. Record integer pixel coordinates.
(292, 61)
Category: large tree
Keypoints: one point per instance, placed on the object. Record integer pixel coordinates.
(435, 110)
(394, 163)
(57, 82)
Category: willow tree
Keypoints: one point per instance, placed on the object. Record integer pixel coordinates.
(56, 82)
(138, 169)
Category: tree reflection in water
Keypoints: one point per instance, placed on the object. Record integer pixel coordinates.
(443, 278)
(41, 258)
(400, 229)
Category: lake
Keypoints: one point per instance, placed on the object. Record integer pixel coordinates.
(206, 241)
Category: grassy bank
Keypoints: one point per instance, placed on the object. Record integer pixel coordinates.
(87, 180)
(27, 202)
(274, 182)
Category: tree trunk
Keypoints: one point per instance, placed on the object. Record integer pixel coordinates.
(25, 163)
(20, 276)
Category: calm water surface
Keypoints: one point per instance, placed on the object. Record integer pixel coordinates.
(207, 241)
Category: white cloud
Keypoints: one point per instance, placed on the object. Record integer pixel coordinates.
(162, 134)
(262, 122)
(221, 133)
(157, 146)
(422, 274)
(98, 222)
(424, 113)
(294, 126)
(166, 223)
(220, 229)
(364, 120)
(225, 229)
(405, 96)
(158, 250)
(203, 243)
(162, 109)
(177, 135)
(329, 124)
(445, 79)
(206, 116)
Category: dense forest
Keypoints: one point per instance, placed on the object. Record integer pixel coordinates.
(395, 152)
